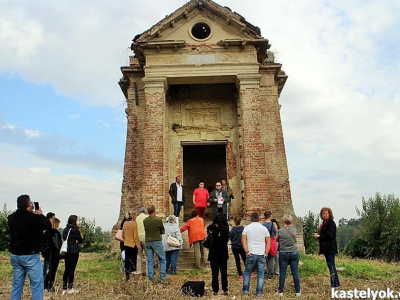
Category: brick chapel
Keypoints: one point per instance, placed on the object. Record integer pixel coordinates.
(202, 93)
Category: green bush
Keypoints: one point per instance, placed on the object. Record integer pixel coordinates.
(4, 231)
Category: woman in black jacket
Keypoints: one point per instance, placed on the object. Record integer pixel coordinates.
(72, 255)
(218, 253)
(51, 253)
(327, 243)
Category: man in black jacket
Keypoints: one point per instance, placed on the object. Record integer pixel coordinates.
(26, 230)
(218, 200)
(177, 196)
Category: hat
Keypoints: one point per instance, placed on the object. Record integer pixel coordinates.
(142, 210)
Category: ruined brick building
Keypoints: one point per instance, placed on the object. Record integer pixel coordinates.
(203, 102)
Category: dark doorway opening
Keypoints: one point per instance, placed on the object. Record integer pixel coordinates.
(202, 162)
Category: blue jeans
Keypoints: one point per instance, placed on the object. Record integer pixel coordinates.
(31, 265)
(330, 261)
(291, 259)
(251, 261)
(45, 267)
(157, 248)
(172, 259)
(177, 208)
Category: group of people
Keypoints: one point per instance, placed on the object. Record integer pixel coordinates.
(218, 200)
(251, 243)
(31, 233)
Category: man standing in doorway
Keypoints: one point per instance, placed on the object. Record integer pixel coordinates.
(200, 196)
(177, 196)
(154, 228)
(218, 200)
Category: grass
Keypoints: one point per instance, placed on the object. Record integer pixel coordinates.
(98, 277)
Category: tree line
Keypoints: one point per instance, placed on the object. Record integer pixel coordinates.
(95, 239)
(374, 234)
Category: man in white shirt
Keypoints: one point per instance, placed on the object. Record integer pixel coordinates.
(256, 242)
(177, 196)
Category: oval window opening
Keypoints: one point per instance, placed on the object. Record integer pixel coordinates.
(201, 31)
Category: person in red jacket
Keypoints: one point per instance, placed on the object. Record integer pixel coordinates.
(197, 233)
(200, 196)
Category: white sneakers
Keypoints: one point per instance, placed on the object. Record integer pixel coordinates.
(281, 294)
(71, 291)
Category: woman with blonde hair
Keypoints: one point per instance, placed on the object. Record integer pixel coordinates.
(289, 255)
(130, 235)
(172, 251)
(327, 242)
(52, 241)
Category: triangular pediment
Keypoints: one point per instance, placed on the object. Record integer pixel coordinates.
(224, 24)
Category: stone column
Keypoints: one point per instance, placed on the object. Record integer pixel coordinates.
(253, 168)
(153, 142)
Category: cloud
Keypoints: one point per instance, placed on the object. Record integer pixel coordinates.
(63, 194)
(57, 150)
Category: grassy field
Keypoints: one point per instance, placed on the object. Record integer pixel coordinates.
(98, 277)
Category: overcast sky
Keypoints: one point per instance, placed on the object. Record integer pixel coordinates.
(62, 119)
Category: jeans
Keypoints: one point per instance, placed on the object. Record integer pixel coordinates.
(276, 263)
(177, 208)
(291, 259)
(330, 261)
(198, 253)
(172, 259)
(71, 260)
(237, 254)
(216, 267)
(157, 248)
(45, 268)
(252, 261)
(270, 266)
(53, 262)
(23, 265)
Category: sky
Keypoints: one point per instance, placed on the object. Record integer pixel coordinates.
(62, 113)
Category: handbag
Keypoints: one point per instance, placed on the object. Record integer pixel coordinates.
(118, 235)
(273, 248)
(208, 240)
(193, 288)
(64, 246)
(173, 241)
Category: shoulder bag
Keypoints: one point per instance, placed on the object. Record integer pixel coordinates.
(118, 235)
(64, 246)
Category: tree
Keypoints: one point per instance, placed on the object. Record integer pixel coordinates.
(379, 234)
(310, 226)
(346, 231)
(4, 231)
(94, 239)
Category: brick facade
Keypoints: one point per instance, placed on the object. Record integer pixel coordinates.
(219, 91)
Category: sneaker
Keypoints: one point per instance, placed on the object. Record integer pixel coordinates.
(240, 277)
(64, 292)
(298, 294)
(226, 293)
(73, 291)
(278, 294)
(252, 275)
